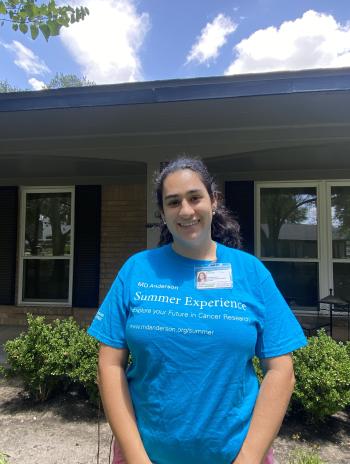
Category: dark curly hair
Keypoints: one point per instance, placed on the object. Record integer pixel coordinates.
(224, 228)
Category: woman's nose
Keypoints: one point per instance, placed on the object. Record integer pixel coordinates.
(186, 209)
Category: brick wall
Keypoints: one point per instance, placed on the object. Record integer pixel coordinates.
(16, 315)
(123, 232)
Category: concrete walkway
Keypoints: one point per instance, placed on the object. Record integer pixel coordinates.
(8, 332)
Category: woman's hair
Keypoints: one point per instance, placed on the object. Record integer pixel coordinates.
(224, 228)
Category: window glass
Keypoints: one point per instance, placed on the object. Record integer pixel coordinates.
(288, 222)
(45, 280)
(48, 224)
(341, 279)
(340, 200)
(298, 282)
(46, 253)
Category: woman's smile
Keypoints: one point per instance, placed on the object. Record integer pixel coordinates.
(188, 224)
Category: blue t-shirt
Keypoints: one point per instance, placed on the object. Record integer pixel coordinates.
(191, 380)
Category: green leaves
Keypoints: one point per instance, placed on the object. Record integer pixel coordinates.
(59, 81)
(45, 30)
(322, 370)
(34, 31)
(54, 27)
(50, 357)
(23, 28)
(304, 456)
(6, 87)
(48, 18)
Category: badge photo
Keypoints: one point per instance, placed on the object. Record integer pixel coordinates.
(218, 275)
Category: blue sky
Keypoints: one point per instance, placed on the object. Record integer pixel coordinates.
(136, 40)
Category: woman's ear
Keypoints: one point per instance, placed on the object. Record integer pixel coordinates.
(214, 201)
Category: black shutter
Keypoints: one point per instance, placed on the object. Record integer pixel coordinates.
(87, 246)
(239, 198)
(8, 242)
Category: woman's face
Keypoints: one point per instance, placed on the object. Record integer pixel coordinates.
(187, 209)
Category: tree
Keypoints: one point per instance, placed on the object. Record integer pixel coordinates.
(5, 87)
(48, 224)
(279, 207)
(47, 18)
(59, 81)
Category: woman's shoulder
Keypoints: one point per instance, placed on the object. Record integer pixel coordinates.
(246, 261)
(236, 253)
(145, 256)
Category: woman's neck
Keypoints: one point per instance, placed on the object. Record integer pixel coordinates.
(204, 252)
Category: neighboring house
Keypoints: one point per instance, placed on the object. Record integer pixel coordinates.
(76, 168)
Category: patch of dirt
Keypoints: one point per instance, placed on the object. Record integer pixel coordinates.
(331, 440)
(61, 431)
(64, 430)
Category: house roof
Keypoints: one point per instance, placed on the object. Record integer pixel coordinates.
(257, 121)
(178, 90)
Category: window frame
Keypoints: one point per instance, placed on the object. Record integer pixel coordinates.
(325, 258)
(333, 260)
(320, 219)
(23, 198)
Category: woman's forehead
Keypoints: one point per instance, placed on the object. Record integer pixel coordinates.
(183, 180)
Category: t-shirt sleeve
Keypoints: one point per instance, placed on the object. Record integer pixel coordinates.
(108, 325)
(280, 332)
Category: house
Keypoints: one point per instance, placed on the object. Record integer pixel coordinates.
(76, 169)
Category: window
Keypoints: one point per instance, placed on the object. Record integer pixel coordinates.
(339, 196)
(303, 237)
(46, 246)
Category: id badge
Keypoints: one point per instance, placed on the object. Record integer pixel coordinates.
(218, 275)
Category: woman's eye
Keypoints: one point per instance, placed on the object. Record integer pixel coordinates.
(195, 198)
(173, 203)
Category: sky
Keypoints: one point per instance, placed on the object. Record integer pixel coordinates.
(146, 40)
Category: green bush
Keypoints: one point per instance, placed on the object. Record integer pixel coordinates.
(83, 358)
(303, 456)
(50, 357)
(348, 348)
(3, 459)
(322, 371)
(258, 369)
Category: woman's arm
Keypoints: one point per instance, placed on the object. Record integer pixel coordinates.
(270, 408)
(117, 404)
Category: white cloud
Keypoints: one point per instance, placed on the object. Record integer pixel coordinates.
(26, 59)
(213, 36)
(315, 40)
(36, 84)
(107, 43)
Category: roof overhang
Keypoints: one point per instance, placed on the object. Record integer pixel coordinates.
(249, 118)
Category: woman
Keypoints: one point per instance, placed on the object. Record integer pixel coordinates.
(201, 276)
(191, 394)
